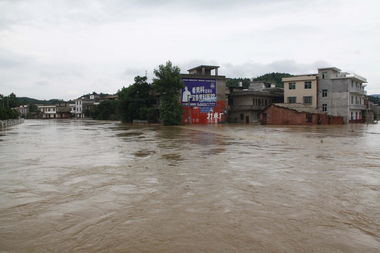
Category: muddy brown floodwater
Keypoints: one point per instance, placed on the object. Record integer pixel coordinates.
(94, 186)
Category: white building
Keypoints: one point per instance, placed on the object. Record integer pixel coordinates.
(48, 111)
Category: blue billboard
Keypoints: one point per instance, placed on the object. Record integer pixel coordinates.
(199, 92)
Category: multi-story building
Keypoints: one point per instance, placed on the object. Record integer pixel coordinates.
(57, 111)
(330, 91)
(48, 111)
(82, 106)
(204, 97)
(246, 105)
(341, 94)
(301, 89)
(23, 110)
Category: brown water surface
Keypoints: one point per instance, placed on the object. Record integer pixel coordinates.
(93, 186)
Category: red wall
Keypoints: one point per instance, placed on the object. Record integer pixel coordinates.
(282, 116)
(195, 115)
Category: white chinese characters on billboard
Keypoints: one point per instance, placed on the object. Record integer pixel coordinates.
(199, 92)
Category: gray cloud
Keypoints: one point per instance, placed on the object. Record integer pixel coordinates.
(78, 46)
(253, 69)
(42, 83)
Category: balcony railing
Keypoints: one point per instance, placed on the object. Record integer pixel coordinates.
(357, 107)
(357, 90)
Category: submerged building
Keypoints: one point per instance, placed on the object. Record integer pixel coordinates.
(204, 97)
(246, 105)
(329, 91)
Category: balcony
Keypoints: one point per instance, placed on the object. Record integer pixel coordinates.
(357, 107)
(356, 90)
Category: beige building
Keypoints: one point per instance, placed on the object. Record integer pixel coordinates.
(301, 89)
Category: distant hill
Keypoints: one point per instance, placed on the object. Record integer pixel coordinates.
(274, 77)
(29, 101)
(234, 82)
(375, 98)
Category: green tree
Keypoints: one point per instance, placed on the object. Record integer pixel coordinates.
(107, 110)
(6, 104)
(168, 84)
(137, 101)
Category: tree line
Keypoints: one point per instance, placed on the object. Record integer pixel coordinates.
(146, 101)
(6, 105)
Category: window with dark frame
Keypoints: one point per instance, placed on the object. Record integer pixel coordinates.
(324, 93)
(307, 99)
(292, 86)
(292, 100)
(307, 85)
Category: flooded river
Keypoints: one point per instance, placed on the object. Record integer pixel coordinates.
(93, 186)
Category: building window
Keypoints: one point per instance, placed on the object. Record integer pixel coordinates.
(292, 100)
(292, 86)
(324, 93)
(324, 107)
(307, 85)
(324, 75)
(352, 100)
(307, 100)
(352, 116)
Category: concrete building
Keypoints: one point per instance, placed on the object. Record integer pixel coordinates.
(329, 91)
(23, 110)
(301, 89)
(204, 97)
(48, 111)
(245, 105)
(57, 111)
(260, 85)
(341, 94)
(82, 105)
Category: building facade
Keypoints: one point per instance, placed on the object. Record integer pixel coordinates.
(341, 94)
(330, 91)
(246, 105)
(48, 111)
(204, 97)
(301, 89)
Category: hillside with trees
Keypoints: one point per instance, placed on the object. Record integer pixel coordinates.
(274, 77)
(234, 82)
(374, 98)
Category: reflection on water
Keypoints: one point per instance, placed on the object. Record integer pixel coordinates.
(95, 186)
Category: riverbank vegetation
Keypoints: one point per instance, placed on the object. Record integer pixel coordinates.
(142, 101)
(168, 85)
(6, 105)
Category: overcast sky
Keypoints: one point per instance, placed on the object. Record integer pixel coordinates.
(66, 48)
